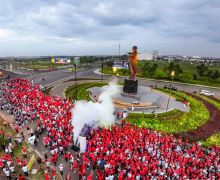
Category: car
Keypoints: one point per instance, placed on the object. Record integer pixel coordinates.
(170, 87)
(206, 93)
(1, 73)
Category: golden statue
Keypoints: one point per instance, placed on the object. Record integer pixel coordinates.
(133, 58)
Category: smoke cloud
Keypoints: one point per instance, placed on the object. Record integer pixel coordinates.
(99, 113)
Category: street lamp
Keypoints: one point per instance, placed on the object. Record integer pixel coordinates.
(114, 69)
(75, 80)
(102, 65)
(172, 74)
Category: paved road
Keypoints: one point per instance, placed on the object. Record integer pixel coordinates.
(160, 83)
(55, 77)
(8, 73)
(146, 82)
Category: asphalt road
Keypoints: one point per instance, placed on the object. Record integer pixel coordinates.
(58, 76)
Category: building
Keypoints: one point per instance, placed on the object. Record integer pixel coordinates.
(62, 60)
(145, 56)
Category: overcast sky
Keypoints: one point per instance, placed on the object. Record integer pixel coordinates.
(82, 27)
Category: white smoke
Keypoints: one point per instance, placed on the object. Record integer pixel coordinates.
(99, 113)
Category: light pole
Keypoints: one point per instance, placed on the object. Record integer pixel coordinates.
(102, 71)
(75, 81)
(172, 76)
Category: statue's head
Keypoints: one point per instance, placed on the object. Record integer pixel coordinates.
(134, 48)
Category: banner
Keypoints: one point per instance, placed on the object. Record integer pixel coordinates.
(82, 144)
(31, 162)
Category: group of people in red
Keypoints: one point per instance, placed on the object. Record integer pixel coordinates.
(130, 152)
(126, 152)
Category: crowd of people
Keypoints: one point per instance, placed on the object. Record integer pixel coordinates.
(52, 115)
(125, 152)
(129, 152)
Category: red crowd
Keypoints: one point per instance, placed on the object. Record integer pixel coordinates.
(52, 114)
(126, 152)
(135, 153)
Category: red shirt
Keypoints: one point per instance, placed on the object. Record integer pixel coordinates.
(47, 177)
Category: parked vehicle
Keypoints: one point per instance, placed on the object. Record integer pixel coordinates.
(206, 93)
(170, 87)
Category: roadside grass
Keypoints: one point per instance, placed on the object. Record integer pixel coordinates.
(182, 122)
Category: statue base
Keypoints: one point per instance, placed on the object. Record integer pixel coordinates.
(130, 86)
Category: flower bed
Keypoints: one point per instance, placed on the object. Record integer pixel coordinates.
(212, 140)
(197, 116)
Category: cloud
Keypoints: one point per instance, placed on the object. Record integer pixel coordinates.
(94, 27)
(5, 33)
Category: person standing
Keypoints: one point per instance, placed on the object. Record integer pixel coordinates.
(61, 169)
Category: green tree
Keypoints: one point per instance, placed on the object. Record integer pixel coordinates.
(152, 69)
(171, 67)
(177, 69)
(213, 75)
(174, 67)
(194, 76)
(145, 68)
(202, 69)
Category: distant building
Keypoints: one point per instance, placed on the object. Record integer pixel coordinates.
(62, 60)
(146, 56)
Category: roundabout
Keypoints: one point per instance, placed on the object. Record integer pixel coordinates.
(147, 100)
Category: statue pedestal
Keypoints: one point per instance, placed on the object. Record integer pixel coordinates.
(130, 86)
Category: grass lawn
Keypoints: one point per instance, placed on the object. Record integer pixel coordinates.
(39, 65)
(82, 90)
(181, 122)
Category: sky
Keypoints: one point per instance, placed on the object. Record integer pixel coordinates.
(95, 27)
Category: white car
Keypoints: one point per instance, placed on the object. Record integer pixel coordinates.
(206, 93)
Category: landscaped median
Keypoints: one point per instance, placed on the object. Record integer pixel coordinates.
(215, 103)
(212, 140)
(215, 138)
(182, 122)
(82, 90)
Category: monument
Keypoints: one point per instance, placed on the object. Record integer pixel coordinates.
(131, 85)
